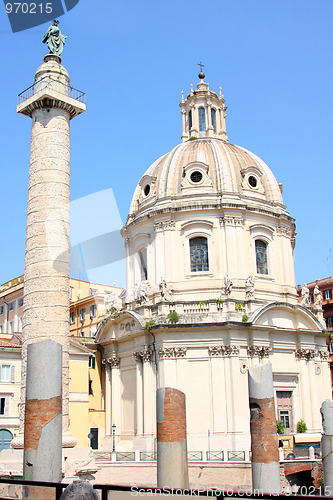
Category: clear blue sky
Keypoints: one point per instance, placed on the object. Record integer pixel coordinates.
(272, 58)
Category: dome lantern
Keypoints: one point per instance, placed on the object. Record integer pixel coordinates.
(203, 113)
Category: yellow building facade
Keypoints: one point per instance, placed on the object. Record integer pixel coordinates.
(88, 306)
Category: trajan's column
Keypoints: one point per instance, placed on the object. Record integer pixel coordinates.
(51, 103)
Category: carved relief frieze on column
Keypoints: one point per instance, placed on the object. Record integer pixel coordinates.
(305, 354)
(144, 355)
(223, 350)
(172, 352)
(324, 355)
(113, 361)
(258, 350)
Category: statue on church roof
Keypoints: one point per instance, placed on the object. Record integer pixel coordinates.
(54, 39)
(305, 296)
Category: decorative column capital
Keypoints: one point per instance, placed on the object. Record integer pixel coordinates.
(257, 350)
(324, 355)
(111, 362)
(172, 352)
(306, 354)
(223, 350)
(144, 355)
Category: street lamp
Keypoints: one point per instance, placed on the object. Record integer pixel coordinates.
(113, 437)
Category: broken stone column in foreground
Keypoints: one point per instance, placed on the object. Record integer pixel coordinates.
(264, 438)
(326, 411)
(172, 463)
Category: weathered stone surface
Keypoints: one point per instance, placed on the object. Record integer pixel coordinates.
(80, 490)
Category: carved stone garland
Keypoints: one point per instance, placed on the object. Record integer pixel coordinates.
(305, 354)
(258, 350)
(223, 350)
(172, 352)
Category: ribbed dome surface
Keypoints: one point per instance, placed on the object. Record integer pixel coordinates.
(228, 169)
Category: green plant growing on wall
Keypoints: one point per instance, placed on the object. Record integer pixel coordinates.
(279, 427)
(301, 426)
(173, 317)
(218, 300)
(245, 318)
(239, 306)
(149, 325)
(201, 303)
(193, 138)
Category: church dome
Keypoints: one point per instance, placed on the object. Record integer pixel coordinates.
(205, 214)
(204, 167)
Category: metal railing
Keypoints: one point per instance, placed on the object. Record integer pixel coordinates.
(51, 83)
(147, 456)
(194, 455)
(102, 456)
(123, 456)
(219, 493)
(215, 455)
(236, 456)
(301, 453)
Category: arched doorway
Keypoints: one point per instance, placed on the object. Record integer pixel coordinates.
(5, 439)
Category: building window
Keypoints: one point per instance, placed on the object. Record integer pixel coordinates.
(11, 306)
(199, 254)
(4, 406)
(92, 361)
(1, 310)
(20, 302)
(310, 297)
(261, 257)
(90, 388)
(7, 373)
(284, 408)
(143, 264)
(82, 315)
(190, 120)
(202, 120)
(93, 291)
(72, 317)
(329, 322)
(1, 328)
(92, 311)
(327, 295)
(214, 119)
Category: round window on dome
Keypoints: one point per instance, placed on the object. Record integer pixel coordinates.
(146, 189)
(252, 181)
(196, 176)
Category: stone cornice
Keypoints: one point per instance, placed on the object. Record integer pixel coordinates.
(182, 206)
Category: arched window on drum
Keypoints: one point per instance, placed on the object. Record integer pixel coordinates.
(199, 254)
(261, 257)
(202, 120)
(213, 114)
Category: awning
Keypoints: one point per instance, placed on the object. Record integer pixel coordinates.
(307, 438)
